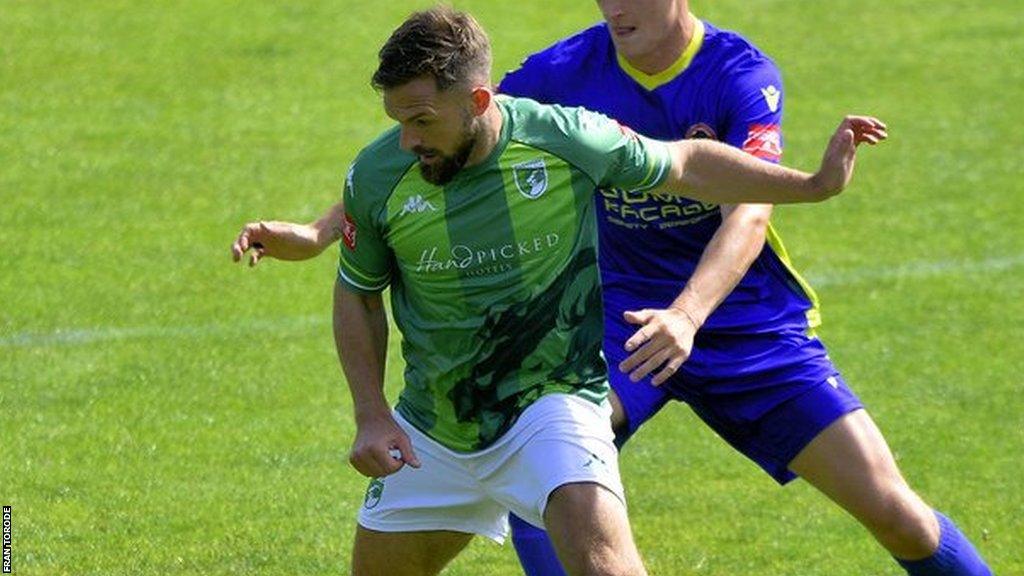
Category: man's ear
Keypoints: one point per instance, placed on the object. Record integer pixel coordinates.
(482, 98)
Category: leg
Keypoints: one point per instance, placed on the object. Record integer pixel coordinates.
(589, 528)
(413, 522)
(533, 546)
(619, 420)
(564, 476)
(806, 421)
(851, 463)
(423, 553)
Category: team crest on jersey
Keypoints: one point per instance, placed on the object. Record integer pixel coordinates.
(701, 131)
(764, 141)
(348, 232)
(373, 493)
(531, 178)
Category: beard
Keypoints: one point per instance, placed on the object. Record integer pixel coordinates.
(446, 167)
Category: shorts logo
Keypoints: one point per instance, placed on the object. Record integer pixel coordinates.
(348, 232)
(595, 462)
(373, 493)
(764, 141)
(531, 178)
(701, 130)
(833, 382)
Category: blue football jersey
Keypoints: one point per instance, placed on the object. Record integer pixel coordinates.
(724, 88)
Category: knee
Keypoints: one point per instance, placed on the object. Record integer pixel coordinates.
(610, 563)
(904, 524)
(589, 527)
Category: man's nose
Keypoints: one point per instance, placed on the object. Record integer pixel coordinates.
(408, 139)
(612, 9)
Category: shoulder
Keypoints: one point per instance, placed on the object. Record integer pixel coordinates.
(550, 125)
(740, 74)
(568, 51)
(564, 57)
(378, 168)
(733, 56)
(591, 143)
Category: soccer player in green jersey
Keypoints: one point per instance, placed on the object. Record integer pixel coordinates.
(477, 212)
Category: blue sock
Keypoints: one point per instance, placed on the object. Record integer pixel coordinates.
(536, 553)
(955, 555)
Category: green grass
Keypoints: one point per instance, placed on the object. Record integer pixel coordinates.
(163, 411)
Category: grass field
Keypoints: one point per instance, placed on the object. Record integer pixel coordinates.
(163, 411)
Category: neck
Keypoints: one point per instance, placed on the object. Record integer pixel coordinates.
(488, 135)
(669, 49)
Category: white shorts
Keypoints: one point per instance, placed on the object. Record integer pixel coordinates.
(559, 439)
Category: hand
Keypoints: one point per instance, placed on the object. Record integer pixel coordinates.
(665, 338)
(281, 240)
(841, 153)
(381, 448)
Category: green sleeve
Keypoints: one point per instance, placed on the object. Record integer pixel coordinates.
(365, 262)
(612, 154)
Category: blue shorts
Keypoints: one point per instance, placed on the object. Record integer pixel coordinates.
(769, 416)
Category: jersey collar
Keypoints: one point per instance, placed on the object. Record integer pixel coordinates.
(652, 81)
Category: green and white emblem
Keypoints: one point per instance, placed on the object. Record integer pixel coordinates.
(373, 493)
(531, 178)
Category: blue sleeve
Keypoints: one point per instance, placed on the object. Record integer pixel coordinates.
(754, 110)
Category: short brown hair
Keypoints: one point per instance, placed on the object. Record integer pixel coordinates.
(448, 45)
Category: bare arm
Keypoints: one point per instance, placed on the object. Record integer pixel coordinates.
(714, 172)
(289, 240)
(725, 260)
(666, 336)
(361, 337)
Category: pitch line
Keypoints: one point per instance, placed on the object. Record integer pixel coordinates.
(915, 270)
(297, 324)
(242, 328)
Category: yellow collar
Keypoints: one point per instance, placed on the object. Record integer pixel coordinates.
(652, 81)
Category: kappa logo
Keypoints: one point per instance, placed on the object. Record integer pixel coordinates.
(373, 493)
(531, 178)
(416, 205)
(771, 97)
(348, 180)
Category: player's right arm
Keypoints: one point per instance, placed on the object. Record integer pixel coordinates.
(288, 240)
(361, 338)
(381, 447)
(714, 172)
(614, 156)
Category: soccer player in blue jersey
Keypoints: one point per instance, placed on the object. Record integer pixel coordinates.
(701, 297)
(737, 341)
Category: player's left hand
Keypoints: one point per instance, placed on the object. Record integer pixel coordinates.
(841, 154)
(665, 338)
(271, 239)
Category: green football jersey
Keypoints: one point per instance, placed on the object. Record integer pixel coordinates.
(493, 276)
